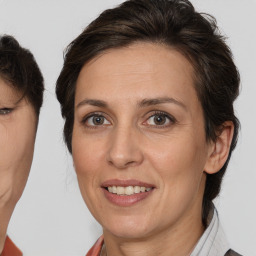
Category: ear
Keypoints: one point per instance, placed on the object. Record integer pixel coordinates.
(219, 150)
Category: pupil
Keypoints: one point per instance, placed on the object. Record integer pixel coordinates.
(159, 119)
(98, 120)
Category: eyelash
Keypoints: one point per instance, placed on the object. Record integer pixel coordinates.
(5, 111)
(170, 118)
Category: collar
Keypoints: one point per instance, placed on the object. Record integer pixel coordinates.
(96, 249)
(10, 249)
(213, 241)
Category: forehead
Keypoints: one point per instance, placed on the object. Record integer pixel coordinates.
(140, 70)
(8, 93)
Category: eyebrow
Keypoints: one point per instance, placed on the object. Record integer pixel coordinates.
(157, 101)
(143, 103)
(92, 102)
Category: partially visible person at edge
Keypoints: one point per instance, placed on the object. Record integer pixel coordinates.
(21, 96)
(147, 92)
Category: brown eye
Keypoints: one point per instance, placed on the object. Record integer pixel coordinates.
(96, 120)
(159, 119)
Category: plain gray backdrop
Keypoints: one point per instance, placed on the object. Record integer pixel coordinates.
(51, 218)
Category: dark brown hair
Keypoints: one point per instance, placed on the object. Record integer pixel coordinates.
(174, 23)
(19, 69)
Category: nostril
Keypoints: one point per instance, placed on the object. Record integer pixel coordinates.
(130, 163)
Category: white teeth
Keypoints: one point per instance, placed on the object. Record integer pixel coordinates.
(130, 190)
(120, 190)
(136, 189)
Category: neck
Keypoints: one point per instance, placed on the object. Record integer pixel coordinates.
(179, 241)
(5, 215)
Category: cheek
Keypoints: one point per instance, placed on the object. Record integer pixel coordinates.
(87, 155)
(17, 137)
(88, 159)
(17, 143)
(175, 155)
(26, 134)
(179, 164)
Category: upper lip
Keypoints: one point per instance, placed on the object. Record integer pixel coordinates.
(126, 183)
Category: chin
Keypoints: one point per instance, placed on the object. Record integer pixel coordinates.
(128, 227)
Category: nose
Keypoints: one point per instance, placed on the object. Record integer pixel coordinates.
(125, 149)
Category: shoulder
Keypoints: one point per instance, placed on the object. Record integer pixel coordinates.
(232, 253)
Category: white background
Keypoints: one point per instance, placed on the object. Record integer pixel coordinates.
(51, 218)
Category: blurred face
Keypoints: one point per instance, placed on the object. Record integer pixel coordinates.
(17, 137)
(139, 146)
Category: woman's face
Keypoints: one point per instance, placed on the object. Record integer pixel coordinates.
(139, 146)
(17, 136)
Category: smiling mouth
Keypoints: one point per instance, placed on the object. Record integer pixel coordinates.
(126, 193)
(128, 190)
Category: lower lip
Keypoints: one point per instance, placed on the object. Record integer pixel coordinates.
(121, 200)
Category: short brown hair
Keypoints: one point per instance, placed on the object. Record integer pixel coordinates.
(174, 23)
(19, 69)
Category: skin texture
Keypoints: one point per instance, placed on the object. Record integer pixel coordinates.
(17, 138)
(129, 144)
